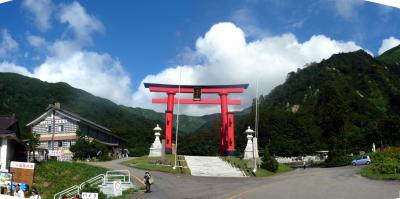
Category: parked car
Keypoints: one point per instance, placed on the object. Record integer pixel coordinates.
(361, 161)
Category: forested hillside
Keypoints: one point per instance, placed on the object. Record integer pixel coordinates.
(346, 102)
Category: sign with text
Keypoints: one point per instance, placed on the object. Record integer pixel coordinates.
(22, 165)
(196, 94)
(86, 195)
(117, 188)
(22, 172)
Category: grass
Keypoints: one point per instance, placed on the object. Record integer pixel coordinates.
(385, 165)
(242, 165)
(156, 164)
(52, 176)
(125, 194)
(370, 173)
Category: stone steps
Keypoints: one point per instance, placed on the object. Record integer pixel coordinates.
(211, 166)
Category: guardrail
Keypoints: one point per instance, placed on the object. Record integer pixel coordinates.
(97, 180)
(123, 175)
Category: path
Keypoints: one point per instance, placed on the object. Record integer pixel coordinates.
(326, 183)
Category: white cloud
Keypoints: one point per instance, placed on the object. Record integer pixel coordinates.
(36, 41)
(7, 44)
(347, 8)
(14, 68)
(41, 11)
(97, 73)
(81, 23)
(230, 59)
(387, 44)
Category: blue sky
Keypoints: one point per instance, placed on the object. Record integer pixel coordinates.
(128, 42)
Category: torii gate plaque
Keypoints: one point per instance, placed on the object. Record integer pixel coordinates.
(227, 136)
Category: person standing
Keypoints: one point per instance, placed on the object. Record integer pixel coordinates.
(147, 181)
(35, 194)
(18, 192)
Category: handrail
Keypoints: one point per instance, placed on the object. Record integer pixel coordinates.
(68, 192)
(92, 181)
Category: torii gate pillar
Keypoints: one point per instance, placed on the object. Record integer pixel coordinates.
(169, 117)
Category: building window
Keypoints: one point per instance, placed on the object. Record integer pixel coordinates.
(66, 144)
(59, 143)
(60, 128)
(49, 144)
(49, 129)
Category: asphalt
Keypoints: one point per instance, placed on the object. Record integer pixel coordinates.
(325, 183)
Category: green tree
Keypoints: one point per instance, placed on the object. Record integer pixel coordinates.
(331, 116)
(269, 163)
(84, 148)
(33, 143)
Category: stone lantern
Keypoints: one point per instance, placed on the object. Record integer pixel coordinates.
(156, 147)
(248, 151)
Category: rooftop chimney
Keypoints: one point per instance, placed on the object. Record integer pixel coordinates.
(57, 105)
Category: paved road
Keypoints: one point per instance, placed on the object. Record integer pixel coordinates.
(332, 183)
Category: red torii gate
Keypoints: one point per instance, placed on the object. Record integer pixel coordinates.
(227, 136)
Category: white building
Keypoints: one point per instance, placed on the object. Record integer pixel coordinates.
(58, 129)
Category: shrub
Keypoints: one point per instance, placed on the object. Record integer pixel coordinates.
(337, 159)
(84, 148)
(269, 163)
(386, 162)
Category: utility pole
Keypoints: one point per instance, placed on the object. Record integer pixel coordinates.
(177, 116)
(255, 139)
(53, 128)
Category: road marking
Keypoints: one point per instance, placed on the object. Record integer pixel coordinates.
(138, 179)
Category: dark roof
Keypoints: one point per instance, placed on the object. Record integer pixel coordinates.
(7, 122)
(9, 128)
(147, 85)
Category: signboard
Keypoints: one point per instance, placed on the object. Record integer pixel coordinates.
(117, 188)
(196, 94)
(86, 195)
(22, 172)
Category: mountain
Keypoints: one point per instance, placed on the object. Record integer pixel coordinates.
(187, 124)
(28, 98)
(350, 101)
